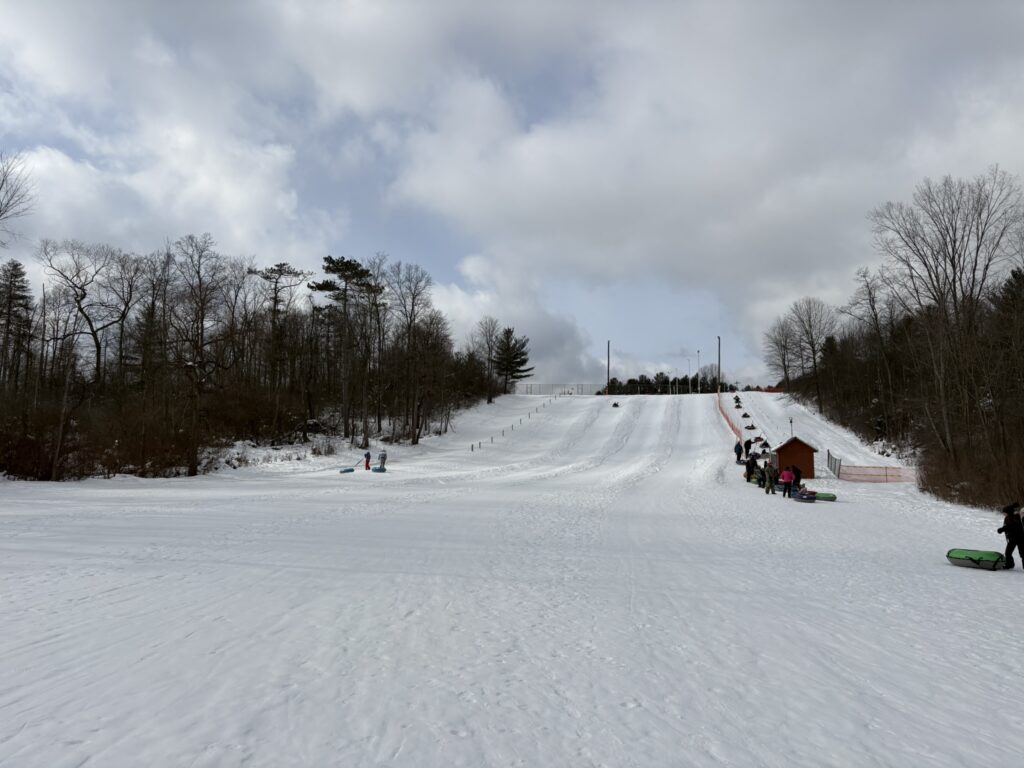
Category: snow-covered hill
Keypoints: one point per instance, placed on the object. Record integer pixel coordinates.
(771, 414)
(598, 586)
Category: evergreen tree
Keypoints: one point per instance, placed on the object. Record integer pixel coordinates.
(15, 321)
(511, 355)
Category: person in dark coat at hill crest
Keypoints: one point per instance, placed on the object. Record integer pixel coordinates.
(738, 449)
(746, 447)
(1014, 531)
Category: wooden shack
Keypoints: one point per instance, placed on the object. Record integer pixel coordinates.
(795, 453)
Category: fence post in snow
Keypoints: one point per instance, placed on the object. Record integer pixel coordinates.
(470, 447)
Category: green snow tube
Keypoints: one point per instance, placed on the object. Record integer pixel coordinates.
(977, 558)
(825, 496)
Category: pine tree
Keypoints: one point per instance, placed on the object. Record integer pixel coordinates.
(15, 321)
(510, 358)
(350, 284)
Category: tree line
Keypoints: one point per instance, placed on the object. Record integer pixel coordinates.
(929, 350)
(661, 383)
(139, 363)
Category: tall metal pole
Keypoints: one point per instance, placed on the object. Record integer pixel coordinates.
(719, 375)
(689, 381)
(698, 371)
(608, 385)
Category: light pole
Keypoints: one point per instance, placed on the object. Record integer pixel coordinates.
(719, 374)
(698, 371)
(689, 381)
(608, 381)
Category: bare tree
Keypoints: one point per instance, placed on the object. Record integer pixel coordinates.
(15, 194)
(779, 347)
(84, 270)
(485, 340)
(813, 322)
(945, 245)
(874, 312)
(201, 271)
(410, 285)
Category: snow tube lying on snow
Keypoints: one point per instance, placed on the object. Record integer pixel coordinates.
(977, 558)
(378, 469)
(803, 497)
(823, 496)
(345, 470)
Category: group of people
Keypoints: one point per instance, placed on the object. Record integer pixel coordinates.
(382, 457)
(743, 449)
(767, 475)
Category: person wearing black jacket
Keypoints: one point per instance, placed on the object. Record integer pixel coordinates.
(746, 448)
(751, 467)
(796, 475)
(1014, 531)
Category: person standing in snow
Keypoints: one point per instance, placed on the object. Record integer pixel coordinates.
(738, 449)
(771, 475)
(796, 476)
(751, 466)
(787, 476)
(382, 457)
(746, 448)
(366, 458)
(1014, 531)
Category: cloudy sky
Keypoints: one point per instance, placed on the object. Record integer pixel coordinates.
(654, 173)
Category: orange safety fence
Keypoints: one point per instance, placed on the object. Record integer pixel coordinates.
(728, 420)
(870, 474)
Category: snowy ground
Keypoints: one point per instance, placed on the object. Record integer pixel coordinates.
(597, 587)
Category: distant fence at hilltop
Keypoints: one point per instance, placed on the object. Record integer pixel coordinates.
(870, 474)
(547, 388)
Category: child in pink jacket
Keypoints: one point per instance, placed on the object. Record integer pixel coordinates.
(786, 477)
